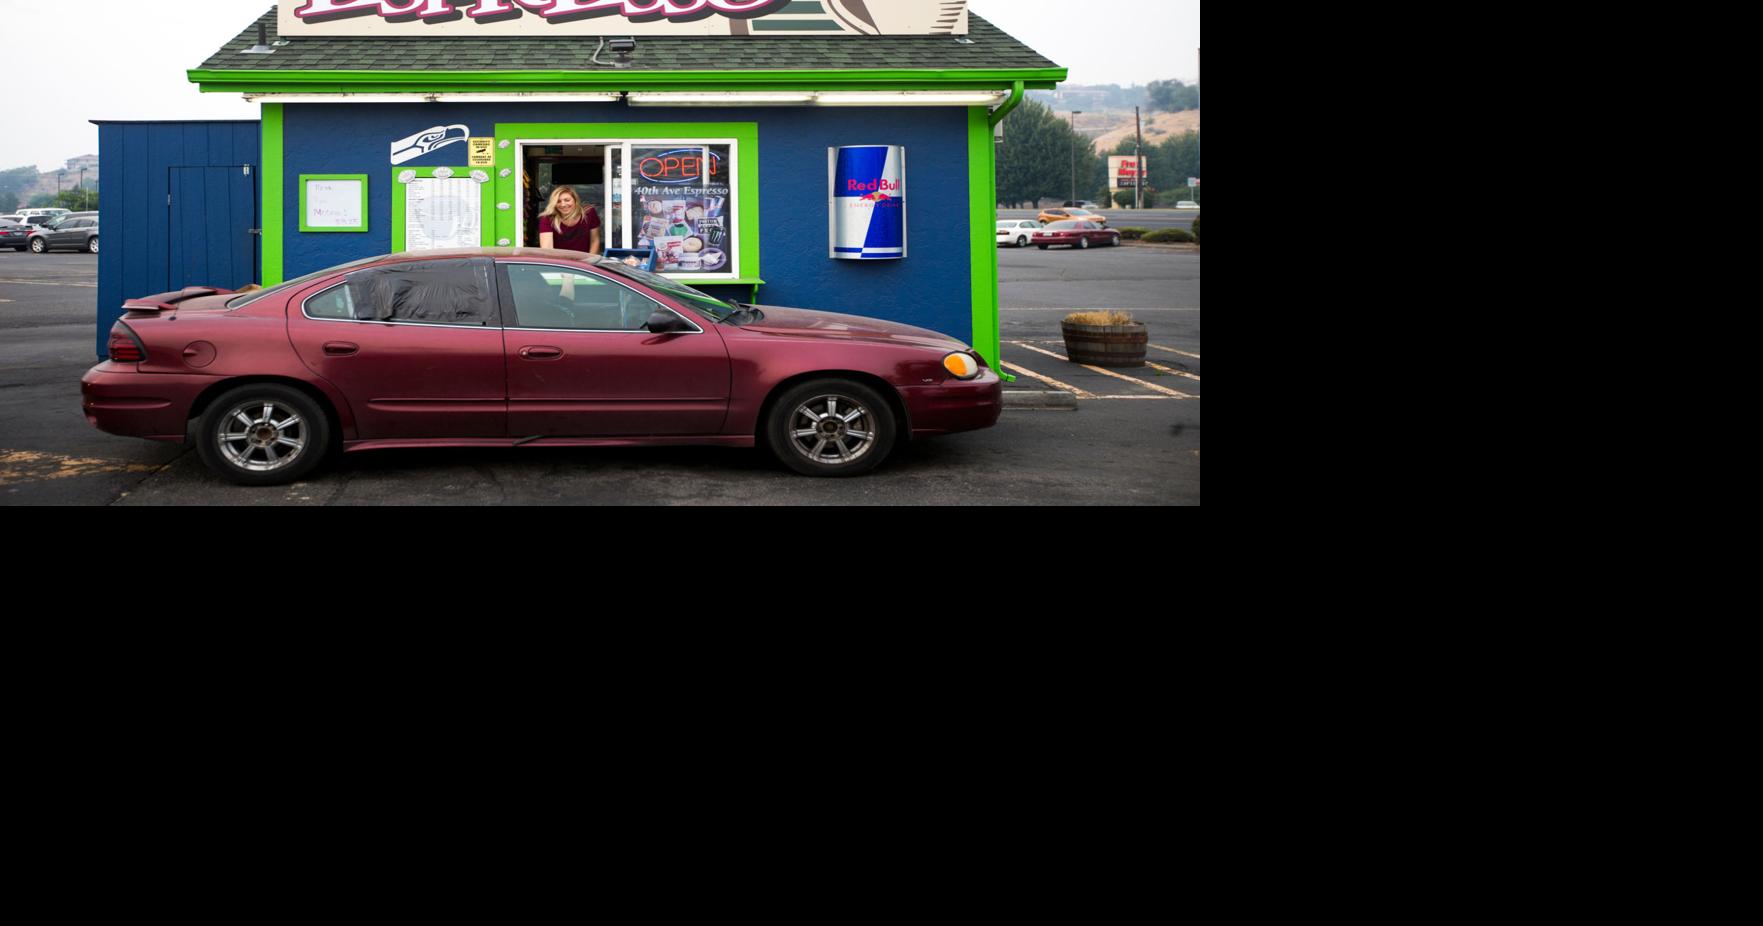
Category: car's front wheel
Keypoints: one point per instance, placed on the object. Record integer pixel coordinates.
(39, 246)
(263, 435)
(1022, 242)
(831, 427)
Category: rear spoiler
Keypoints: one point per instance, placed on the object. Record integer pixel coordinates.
(165, 302)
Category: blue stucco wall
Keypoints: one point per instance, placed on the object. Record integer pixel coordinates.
(138, 237)
(930, 288)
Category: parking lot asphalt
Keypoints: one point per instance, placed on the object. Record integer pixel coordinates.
(1129, 437)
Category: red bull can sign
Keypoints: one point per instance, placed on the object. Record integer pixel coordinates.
(868, 202)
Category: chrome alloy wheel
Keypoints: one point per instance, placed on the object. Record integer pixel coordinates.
(832, 430)
(270, 441)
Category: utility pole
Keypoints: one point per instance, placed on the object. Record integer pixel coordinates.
(82, 188)
(1138, 153)
(1074, 114)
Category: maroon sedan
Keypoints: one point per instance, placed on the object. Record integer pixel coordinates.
(1076, 233)
(520, 348)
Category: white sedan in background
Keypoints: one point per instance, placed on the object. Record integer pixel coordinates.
(1017, 232)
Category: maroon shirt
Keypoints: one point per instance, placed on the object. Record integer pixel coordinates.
(571, 237)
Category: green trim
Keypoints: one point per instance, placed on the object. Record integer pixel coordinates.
(365, 220)
(270, 216)
(321, 81)
(486, 201)
(1008, 105)
(982, 212)
(746, 187)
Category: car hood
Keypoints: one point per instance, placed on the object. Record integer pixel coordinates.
(809, 323)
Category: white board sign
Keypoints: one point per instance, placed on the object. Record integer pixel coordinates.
(334, 204)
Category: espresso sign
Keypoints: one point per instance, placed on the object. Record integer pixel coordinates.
(421, 18)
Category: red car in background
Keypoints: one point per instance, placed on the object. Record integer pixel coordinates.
(1077, 234)
(520, 347)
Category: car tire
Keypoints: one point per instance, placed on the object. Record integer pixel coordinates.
(1114, 242)
(245, 435)
(1042, 246)
(92, 245)
(39, 246)
(1083, 244)
(799, 433)
(1022, 242)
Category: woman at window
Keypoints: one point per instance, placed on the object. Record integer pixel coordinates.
(567, 224)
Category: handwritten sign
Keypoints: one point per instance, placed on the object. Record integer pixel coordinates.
(333, 203)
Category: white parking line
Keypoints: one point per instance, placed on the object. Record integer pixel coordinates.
(1052, 382)
(42, 283)
(1172, 393)
(1174, 351)
(1172, 371)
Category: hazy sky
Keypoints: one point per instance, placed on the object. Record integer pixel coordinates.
(126, 59)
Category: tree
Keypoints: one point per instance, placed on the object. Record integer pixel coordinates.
(1173, 96)
(1037, 159)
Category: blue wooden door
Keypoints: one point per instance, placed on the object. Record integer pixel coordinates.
(214, 230)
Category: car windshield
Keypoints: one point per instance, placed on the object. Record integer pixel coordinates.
(717, 309)
(249, 298)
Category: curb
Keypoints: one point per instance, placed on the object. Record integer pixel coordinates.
(1166, 247)
(1039, 398)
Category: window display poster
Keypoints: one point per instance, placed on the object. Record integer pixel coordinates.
(681, 197)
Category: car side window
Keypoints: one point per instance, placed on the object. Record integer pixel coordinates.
(548, 296)
(333, 303)
(434, 292)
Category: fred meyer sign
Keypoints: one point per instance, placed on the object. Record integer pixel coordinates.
(420, 18)
(1123, 172)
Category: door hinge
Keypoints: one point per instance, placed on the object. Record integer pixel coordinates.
(247, 170)
(168, 199)
(253, 231)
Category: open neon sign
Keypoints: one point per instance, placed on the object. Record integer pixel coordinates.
(680, 166)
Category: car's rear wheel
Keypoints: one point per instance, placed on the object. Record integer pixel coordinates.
(1042, 247)
(263, 435)
(39, 246)
(1083, 244)
(92, 246)
(831, 427)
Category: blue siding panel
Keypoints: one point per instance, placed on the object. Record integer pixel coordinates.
(139, 161)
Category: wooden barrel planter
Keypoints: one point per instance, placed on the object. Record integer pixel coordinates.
(1106, 345)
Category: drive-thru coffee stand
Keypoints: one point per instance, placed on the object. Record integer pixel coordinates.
(829, 154)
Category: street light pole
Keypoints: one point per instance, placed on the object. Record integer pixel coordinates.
(1074, 114)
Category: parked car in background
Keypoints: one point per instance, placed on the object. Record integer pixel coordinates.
(1049, 216)
(506, 347)
(1017, 232)
(37, 216)
(77, 232)
(1086, 204)
(1077, 233)
(14, 234)
(1187, 204)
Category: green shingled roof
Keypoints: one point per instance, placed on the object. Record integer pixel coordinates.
(992, 54)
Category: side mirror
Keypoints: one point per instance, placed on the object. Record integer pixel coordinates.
(667, 323)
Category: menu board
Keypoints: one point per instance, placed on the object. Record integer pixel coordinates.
(681, 206)
(333, 203)
(442, 213)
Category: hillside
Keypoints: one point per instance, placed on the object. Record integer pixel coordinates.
(1158, 126)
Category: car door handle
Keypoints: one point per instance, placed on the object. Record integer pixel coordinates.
(340, 349)
(540, 353)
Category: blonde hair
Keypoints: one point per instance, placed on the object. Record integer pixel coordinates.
(559, 218)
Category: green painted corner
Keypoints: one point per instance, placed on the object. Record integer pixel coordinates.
(272, 192)
(982, 211)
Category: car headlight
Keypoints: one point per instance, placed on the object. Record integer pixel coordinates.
(961, 366)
